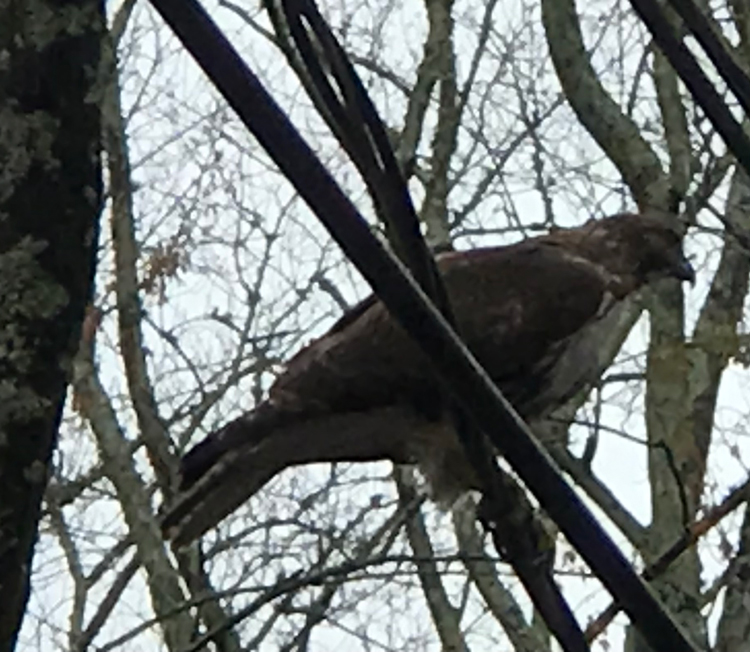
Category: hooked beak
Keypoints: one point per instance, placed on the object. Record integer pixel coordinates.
(683, 270)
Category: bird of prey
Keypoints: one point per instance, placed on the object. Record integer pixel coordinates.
(364, 391)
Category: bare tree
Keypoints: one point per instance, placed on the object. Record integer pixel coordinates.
(511, 119)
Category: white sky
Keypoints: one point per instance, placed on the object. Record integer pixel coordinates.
(177, 127)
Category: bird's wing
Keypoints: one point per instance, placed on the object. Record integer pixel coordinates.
(522, 312)
(512, 306)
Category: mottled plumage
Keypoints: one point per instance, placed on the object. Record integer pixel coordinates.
(364, 391)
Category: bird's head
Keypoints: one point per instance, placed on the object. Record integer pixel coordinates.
(645, 247)
(661, 253)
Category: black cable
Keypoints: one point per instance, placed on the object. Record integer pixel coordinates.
(735, 78)
(385, 181)
(456, 366)
(696, 81)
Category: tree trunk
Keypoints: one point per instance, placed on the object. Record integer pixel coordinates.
(50, 197)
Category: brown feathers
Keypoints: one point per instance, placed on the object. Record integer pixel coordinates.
(365, 391)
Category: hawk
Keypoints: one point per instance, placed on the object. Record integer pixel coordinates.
(364, 391)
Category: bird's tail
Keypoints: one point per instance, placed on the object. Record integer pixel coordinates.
(206, 492)
(231, 465)
(246, 430)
